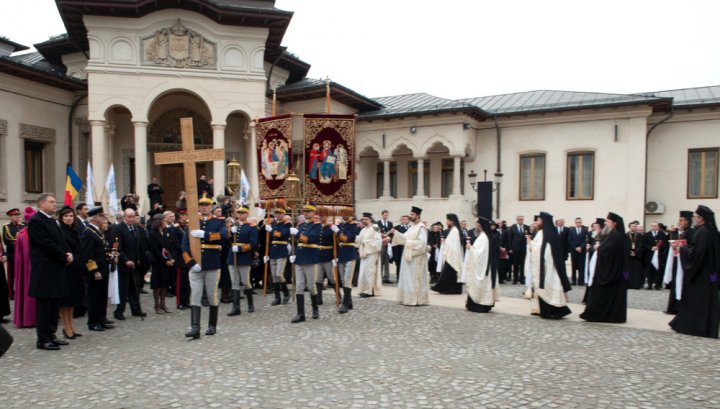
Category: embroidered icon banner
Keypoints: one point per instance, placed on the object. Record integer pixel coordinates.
(274, 144)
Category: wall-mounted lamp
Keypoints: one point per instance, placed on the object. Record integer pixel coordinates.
(413, 129)
(466, 126)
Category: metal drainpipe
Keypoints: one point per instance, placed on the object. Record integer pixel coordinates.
(647, 139)
(70, 126)
(499, 167)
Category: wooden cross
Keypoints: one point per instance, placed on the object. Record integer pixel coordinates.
(188, 156)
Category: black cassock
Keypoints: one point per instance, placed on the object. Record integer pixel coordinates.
(672, 300)
(698, 310)
(447, 284)
(636, 267)
(607, 297)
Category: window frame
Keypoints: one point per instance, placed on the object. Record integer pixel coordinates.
(33, 148)
(569, 171)
(544, 176)
(715, 150)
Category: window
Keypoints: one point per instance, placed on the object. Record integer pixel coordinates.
(532, 177)
(702, 173)
(33, 167)
(413, 177)
(381, 181)
(448, 168)
(580, 177)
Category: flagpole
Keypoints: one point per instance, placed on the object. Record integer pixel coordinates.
(327, 95)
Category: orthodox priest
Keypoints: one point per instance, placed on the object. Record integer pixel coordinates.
(607, 294)
(698, 310)
(480, 270)
(673, 268)
(636, 267)
(369, 244)
(452, 251)
(413, 286)
(546, 265)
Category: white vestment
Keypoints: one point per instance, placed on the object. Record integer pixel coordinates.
(369, 244)
(414, 284)
(476, 274)
(553, 292)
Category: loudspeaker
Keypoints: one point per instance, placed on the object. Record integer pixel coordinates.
(484, 199)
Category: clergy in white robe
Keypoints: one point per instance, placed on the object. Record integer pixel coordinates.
(369, 244)
(414, 284)
(480, 272)
(547, 267)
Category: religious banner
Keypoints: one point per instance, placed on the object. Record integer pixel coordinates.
(274, 142)
(329, 166)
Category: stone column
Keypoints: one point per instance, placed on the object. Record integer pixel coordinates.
(141, 166)
(456, 176)
(420, 193)
(386, 179)
(219, 165)
(252, 169)
(99, 160)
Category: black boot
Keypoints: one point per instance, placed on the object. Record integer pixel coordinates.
(300, 301)
(249, 295)
(276, 290)
(319, 295)
(344, 307)
(212, 322)
(315, 309)
(348, 297)
(236, 303)
(194, 322)
(286, 293)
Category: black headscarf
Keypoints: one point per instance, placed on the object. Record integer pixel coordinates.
(552, 239)
(453, 217)
(493, 255)
(709, 217)
(620, 227)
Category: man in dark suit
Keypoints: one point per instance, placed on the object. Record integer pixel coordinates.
(654, 241)
(577, 237)
(131, 245)
(518, 248)
(563, 233)
(48, 283)
(385, 226)
(398, 250)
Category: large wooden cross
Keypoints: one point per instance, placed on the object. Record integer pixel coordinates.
(188, 156)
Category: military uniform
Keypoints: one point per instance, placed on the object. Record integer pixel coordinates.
(326, 255)
(9, 236)
(208, 277)
(277, 257)
(243, 242)
(306, 267)
(98, 253)
(347, 258)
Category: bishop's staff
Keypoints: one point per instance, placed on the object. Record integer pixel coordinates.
(267, 253)
(335, 267)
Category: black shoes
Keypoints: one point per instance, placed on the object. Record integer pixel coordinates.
(363, 295)
(73, 336)
(48, 346)
(59, 342)
(300, 317)
(119, 316)
(182, 307)
(107, 326)
(143, 292)
(139, 314)
(97, 327)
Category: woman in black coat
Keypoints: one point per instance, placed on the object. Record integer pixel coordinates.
(161, 262)
(75, 273)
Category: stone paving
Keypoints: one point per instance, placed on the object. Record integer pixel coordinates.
(381, 354)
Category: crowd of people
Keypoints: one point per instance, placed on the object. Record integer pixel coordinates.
(74, 262)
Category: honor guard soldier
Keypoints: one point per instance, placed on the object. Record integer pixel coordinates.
(9, 236)
(244, 240)
(306, 262)
(347, 257)
(206, 273)
(278, 255)
(326, 256)
(99, 253)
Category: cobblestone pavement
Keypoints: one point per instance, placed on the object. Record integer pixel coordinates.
(381, 354)
(652, 300)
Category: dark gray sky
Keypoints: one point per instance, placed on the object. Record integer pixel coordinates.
(469, 48)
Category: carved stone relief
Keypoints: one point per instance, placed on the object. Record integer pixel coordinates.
(3, 127)
(180, 47)
(37, 133)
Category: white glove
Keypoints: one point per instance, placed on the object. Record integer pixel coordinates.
(233, 229)
(292, 259)
(335, 262)
(266, 259)
(268, 228)
(198, 234)
(235, 249)
(334, 228)
(196, 268)
(289, 247)
(293, 231)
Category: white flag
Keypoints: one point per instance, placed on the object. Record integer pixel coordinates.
(112, 193)
(244, 188)
(89, 197)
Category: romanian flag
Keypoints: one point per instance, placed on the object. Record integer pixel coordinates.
(72, 186)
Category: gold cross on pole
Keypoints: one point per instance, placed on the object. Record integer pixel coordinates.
(188, 156)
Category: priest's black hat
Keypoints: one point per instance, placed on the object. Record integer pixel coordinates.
(686, 214)
(600, 221)
(619, 220)
(367, 214)
(536, 217)
(96, 211)
(416, 210)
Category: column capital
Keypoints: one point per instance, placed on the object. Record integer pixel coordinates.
(420, 157)
(218, 127)
(98, 123)
(385, 158)
(140, 124)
